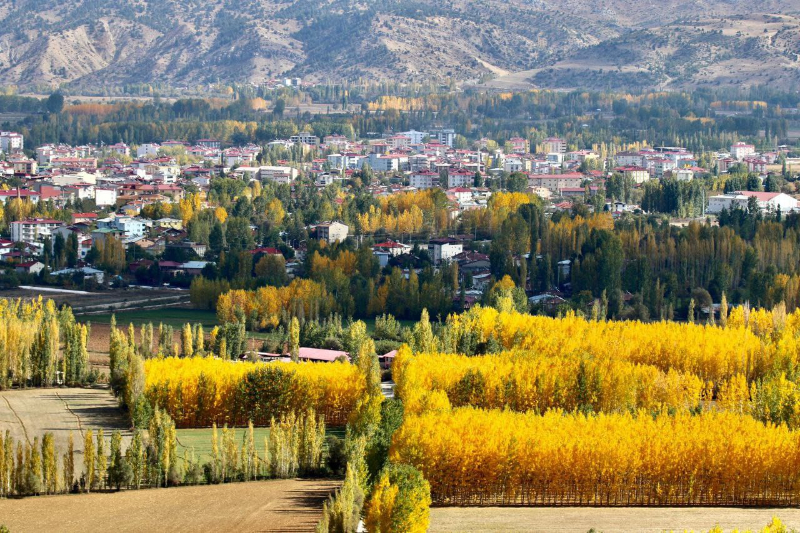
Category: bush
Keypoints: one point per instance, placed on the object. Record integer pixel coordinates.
(336, 460)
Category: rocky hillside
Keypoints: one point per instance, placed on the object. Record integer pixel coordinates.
(95, 43)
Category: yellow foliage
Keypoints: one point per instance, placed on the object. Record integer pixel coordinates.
(202, 390)
(472, 456)
(711, 353)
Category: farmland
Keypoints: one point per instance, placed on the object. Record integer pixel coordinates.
(608, 520)
(30, 413)
(283, 505)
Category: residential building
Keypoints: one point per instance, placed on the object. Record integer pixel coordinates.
(424, 179)
(10, 142)
(554, 145)
(304, 138)
(33, 229)
(740, 150)
(443, 249)
(332, 232)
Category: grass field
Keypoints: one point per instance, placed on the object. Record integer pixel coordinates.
(200, 440)
(172, 316)
(280, 505)
(606, 519)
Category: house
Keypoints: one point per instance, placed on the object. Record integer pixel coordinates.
(86, 218)
(632, 172)
(387, 359)
(392, 248)
(194, 268)
(443, 249)
(768, 202)
(29, 267)
(332, 232)
(88, 273)
(315, 355)
(33, 229)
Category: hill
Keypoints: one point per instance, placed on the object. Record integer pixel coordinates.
(96, 43)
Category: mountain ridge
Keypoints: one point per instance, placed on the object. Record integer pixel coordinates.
(96, 43)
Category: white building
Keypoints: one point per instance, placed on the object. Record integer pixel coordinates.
(414, 137)
(147, 150)
(424, 179)
(332, 232)
(277, 174)
(444, 249)
(105, 196)
(304, 138)
(33, 229)
(741, 150)
(768, 202)
(10, 142)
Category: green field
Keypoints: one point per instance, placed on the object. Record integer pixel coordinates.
(200, 440)
(172, 316)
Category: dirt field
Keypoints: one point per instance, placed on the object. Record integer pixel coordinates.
(285, 505)
(30, 413)
(607, 520)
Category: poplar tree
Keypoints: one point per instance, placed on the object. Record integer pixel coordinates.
(187, 346)
(69, 464)
(49, 465)
(102, 460)
(294, 339)
(89, 460)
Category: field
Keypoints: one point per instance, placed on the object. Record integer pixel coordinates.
(97, 301)
(607, 520)
(285, 505)
(172, 316)
(32, 412)
(200, 440)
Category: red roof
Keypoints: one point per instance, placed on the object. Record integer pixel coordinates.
(266, 250)
(761, 196)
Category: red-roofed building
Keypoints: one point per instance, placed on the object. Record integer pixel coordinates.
(87, 218)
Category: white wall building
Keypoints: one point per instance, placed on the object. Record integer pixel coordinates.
(33, 229)
(741, 150)
(768, 202)
(444, 249)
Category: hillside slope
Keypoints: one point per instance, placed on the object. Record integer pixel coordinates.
(95, 43)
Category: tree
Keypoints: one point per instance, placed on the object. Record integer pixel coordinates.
(187, 345)
(55, 103)
(101, 459)
(294, 339)
(89, 460)
(69, 463)
(120, 472)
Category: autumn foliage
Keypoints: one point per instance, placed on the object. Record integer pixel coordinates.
(266, 306)
(711, 353)
(197, 392)
(526, 381)
(476, 457)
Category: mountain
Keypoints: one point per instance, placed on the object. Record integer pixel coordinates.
(547, 43)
